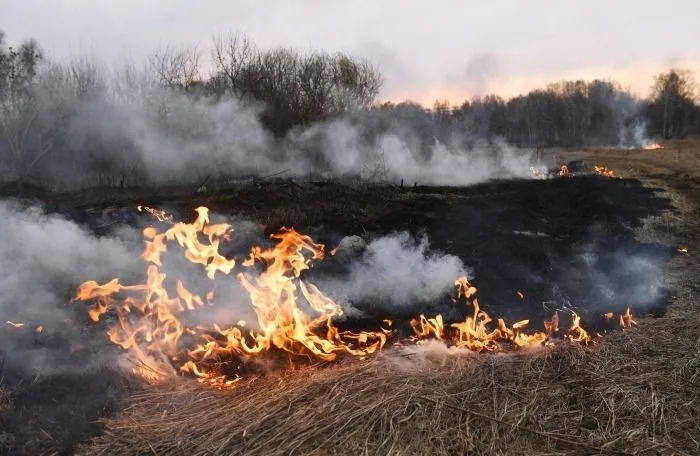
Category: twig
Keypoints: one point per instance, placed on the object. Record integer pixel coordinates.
(527, 429)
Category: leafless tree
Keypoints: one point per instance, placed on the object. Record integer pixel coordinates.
(177, 68)
(232, 54)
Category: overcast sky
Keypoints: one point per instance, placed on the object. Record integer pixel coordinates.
(425, 49)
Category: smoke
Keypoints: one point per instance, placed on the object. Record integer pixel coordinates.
(479, 71)
(396, 274)
(618, 276)
(114, 133)
(635, 136)
(43, 258)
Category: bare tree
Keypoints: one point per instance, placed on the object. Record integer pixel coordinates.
(232, 55)
(177, 68)
(19, 112)
(674, 93)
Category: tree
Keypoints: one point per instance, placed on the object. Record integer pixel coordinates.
(176, 68)
(672, 106)
(21, 149)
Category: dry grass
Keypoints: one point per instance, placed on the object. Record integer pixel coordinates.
(6, 402)
(6, 405)
(636, 392)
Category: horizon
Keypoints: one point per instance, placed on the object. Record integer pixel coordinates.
(429, 53)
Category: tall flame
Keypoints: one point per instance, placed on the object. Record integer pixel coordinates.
(293, 315)
(150, 329)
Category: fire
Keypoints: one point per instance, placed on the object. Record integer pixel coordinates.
(576, 333)
(653, 147)
(604, 171)
(293, 316)
(626, 320)
(151, 329)
(162, 216)
(15, 325)
(564, 171)
(682, 249)
(477, 332)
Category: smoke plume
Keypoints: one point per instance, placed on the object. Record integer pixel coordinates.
(397, 274)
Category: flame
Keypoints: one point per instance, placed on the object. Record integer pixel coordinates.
(520, 294)
(564, 171)
(149, 314)
(161, 215)
(576, 333)
(604, 171)
(293, 316)
(15, 325)
(653, 147)
(476, 332)
(626, 320)
(682, 249)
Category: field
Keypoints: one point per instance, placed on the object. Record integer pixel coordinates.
(632, 392)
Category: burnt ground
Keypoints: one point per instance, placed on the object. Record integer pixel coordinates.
(555, 241)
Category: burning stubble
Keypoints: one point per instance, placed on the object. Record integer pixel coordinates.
(293, 315)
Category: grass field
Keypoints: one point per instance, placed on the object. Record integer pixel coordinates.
(634, 392)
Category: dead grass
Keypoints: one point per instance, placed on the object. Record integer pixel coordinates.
(6, 402)
(636, 392)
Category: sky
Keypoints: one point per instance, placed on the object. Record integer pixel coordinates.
(426, 50)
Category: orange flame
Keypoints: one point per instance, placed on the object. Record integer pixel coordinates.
(564, 171)
(653, 147)
(293, 315)
(15, 325)
(604, 171)
(682, 249)
(475, 332)
(626, 320)
(151, 330)
(162, 216)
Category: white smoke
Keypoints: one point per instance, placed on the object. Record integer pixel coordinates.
(147, 134)
(44, 257)
(396, 271)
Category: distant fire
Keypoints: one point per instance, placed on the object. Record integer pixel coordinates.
(294, 317)
(604, 171)
(653, 147)
(564, 171)
(682, 249)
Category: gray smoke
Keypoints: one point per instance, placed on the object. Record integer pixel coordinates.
(44, 257)
(126, 129)
(396, 271)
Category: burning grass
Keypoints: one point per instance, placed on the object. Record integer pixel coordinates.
(293, 315)
(635, 392)
(632, 394)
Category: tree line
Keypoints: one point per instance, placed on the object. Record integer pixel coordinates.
(61, 116)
